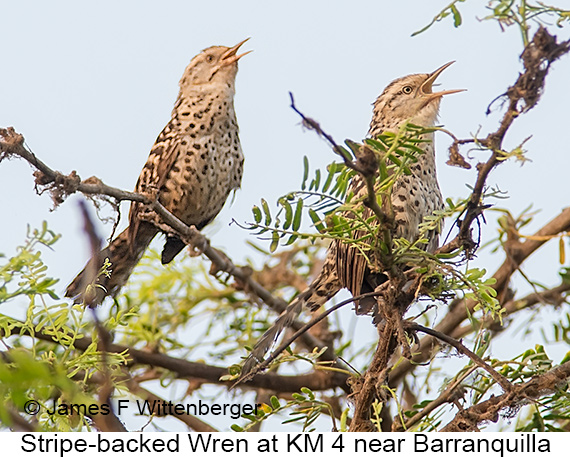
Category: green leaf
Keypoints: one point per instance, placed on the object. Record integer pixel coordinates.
(292, 239)
(456, 16)
(256, 214)
(354, 147)
(316, 220)
(394, 159)
(383, 169)
(343, 152)
(315, 183)
(267, 212)
(298, 214)
(288, 213)
(308, 392)
(305, 172)
(298, 397)
(275, 402)
(331, 172)
(296, 419)
(274, 241)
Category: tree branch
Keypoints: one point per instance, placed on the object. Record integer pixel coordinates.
(60, 186)
(499, 378)
(468, 419)
(211, 374)
(366, 164)
(191, 421)
(522, 96)
(462, 309)
(287, 342)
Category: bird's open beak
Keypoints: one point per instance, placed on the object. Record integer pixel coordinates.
(231, 55)
(426, 87)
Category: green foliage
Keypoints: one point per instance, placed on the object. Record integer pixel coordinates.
(152, 315)
(552, 413)
(24, 274)
(329, 201)
(181, 295)
(507, 13)
(304, 407)
(24, 377)
(167, 299)
(44, 372)
(449, 10)
(553, 409)
(349, 221)
(475, 386)
(521, 12)
(561, 329)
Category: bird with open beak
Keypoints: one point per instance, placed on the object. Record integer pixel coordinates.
(413, 197)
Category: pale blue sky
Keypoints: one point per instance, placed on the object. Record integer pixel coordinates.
(91, 86)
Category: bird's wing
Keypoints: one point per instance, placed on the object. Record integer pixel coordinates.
(355, 268)
(155, 172)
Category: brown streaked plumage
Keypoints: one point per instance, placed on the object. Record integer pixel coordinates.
(193, 166)
(413, 197)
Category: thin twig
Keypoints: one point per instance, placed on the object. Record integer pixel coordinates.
(447, 396)
(285, 344)
(368, 173)
(523, 95)
(109, 422)
(499, 378)
(192, 422)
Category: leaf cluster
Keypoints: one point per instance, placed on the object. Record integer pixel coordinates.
(507, 13)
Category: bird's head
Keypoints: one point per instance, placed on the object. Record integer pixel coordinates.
(214, 65)
(410, 98)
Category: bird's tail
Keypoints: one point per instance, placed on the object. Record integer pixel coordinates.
(284, 321)
(323, 288)
(91, 287)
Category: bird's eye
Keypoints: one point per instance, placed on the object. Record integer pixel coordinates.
(407, 90)
(209, 58)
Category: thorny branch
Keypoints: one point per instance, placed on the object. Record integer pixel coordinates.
(522, 96)
(460, 310)
(374, 380)
(393, 301)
